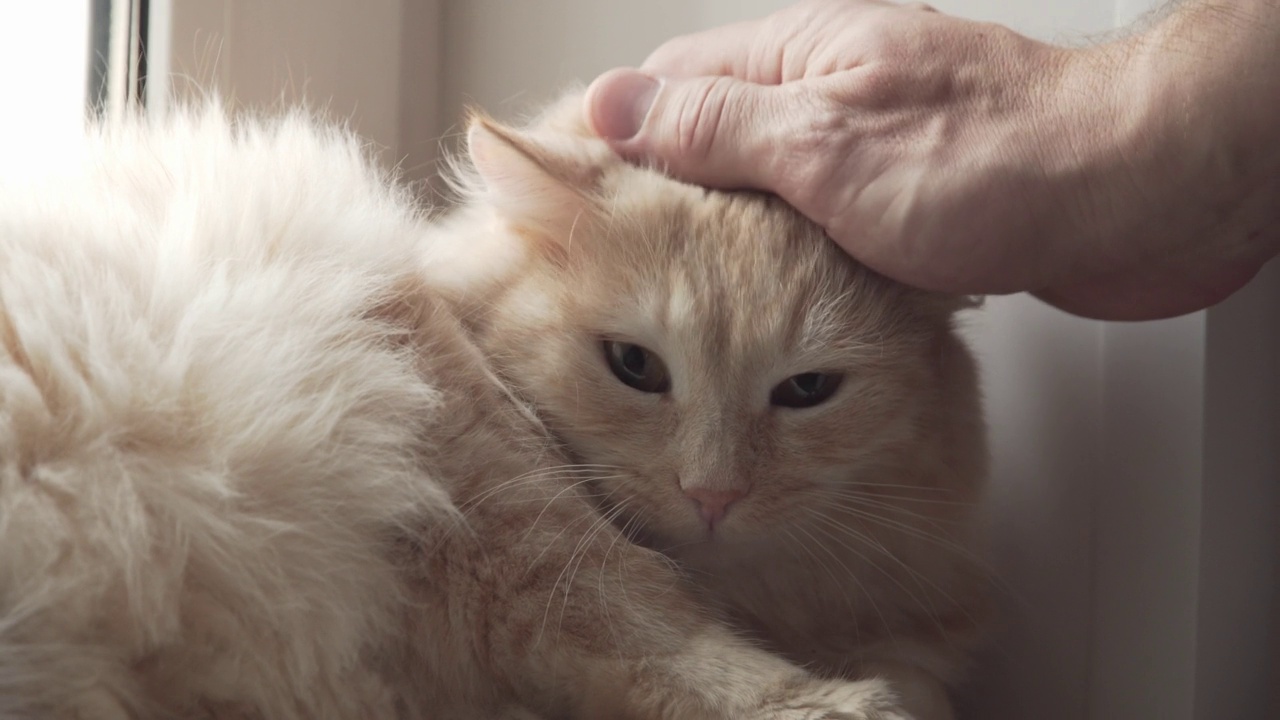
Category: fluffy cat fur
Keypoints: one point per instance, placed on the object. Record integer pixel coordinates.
(856, 545)
(274, 446)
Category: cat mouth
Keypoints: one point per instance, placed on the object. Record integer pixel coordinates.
(639, 531)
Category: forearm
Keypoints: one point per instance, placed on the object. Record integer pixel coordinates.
(1209, 78)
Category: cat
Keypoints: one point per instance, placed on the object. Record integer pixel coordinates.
(272, 443)
(803, 436)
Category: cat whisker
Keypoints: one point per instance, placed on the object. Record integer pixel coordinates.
(546, 498)
(557, 497)
(928, 607)
(857, 628)
(550, 478)
(533, 563)
(551, 594)
(989, 573)
(879, 495)
(849, 500)
(545, 474)
(899, 486)
(916, 575)
(940, 541)
(852, 576)
(600, 584)
(576, 557)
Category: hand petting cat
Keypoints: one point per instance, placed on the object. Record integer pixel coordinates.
(961, 156)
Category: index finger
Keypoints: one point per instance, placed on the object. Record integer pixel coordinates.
(739, 50)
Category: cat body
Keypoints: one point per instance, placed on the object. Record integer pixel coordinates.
(842, 531)
(272, 445)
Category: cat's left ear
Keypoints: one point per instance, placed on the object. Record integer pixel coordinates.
(532, 184)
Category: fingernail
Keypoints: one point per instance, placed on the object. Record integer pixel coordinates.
(619, 101)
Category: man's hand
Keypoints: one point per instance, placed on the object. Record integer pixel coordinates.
(948, 154)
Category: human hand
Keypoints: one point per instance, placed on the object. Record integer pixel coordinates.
(952, 155)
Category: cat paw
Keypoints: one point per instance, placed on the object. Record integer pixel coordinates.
(832, 700)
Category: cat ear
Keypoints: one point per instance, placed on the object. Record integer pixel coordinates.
(532, 184)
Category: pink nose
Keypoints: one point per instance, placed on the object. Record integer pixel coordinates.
(713, 504)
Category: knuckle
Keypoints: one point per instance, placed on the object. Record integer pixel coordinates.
(882, 85)
(876, 84)
(701, 118)
(810, 172)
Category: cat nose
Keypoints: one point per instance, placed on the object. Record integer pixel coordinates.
(713, 504)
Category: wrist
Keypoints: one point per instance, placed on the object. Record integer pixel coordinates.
(1204, 89)
(1103, 140)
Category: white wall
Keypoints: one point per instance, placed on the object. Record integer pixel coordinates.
(1237, 587)
(44, 60)
(1136, 482)
(375, 63)
(508, 56)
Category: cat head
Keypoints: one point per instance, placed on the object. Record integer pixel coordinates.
(726, 371)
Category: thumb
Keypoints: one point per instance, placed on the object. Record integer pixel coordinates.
(715, 131)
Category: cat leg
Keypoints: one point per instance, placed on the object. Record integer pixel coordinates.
(555, 604)
(921, 696)
(719, 676)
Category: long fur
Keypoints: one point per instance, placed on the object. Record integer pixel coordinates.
(274, 446)
(856, 546)
(207, 427)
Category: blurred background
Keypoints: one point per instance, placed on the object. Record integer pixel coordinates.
(1136, 487)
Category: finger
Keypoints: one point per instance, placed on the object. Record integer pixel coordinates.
(726, 50)
(716, 131)
(768, 50)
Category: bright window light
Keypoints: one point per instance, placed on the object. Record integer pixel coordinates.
(44, 68)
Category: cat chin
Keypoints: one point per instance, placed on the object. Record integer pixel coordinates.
(727, 540)
(663, 540)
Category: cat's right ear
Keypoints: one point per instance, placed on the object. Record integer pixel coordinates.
(538, 189)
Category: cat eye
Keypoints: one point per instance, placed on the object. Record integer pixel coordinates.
(805, 390)
(637, 367)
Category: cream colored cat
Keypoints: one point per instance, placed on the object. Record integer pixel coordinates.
(273, 446)
(803, 436)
